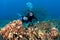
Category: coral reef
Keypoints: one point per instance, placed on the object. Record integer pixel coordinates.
(40, 31)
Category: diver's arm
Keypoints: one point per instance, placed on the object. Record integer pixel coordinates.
(36, 19)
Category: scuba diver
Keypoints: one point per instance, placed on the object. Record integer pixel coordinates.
(29, 18)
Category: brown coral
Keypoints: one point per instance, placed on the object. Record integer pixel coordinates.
(15, 31)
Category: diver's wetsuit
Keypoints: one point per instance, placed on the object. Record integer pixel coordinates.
(30, 18)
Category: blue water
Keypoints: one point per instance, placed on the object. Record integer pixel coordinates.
(10, 8)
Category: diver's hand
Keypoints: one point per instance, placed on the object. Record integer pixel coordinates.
(37, 21)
